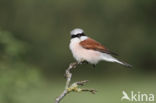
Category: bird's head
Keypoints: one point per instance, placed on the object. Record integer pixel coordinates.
(77, 33)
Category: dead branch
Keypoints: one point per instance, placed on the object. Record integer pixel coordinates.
(74, 86)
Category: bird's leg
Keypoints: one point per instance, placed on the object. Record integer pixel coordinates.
(84, 62)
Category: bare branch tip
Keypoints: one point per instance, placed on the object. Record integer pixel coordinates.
(73, 87)
(93, 91)
(81, 83)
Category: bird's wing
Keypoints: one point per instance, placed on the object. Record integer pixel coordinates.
(94, 45)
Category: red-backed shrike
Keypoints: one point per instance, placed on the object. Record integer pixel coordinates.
(85, 49)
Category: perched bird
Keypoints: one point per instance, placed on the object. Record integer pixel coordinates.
(85, 49)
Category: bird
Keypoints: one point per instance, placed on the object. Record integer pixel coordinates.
(88, 50)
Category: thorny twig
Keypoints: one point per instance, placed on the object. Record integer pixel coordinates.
(73, 87)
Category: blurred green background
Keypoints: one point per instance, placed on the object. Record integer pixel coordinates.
(34, 51)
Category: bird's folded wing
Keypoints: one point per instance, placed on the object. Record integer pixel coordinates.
(94, 45)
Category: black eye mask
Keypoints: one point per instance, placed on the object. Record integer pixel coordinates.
(78, 35)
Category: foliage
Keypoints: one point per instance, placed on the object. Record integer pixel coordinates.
(16, 76)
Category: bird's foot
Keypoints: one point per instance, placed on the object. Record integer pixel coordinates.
(84, 62)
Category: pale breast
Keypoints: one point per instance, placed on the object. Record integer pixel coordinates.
(81, 54)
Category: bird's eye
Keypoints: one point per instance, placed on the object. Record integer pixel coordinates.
(79, 35)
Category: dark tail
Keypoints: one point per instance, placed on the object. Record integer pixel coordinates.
(127, 65)
(124, 64)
